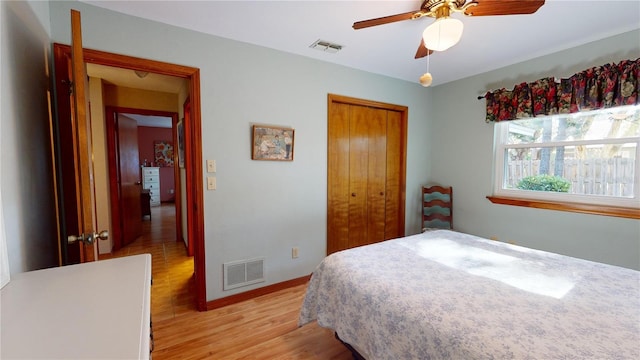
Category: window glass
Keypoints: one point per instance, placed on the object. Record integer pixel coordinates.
(589, 157)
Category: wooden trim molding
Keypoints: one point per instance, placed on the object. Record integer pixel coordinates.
(629, 213)
(364, 102)
(193, 147)
(233, 299)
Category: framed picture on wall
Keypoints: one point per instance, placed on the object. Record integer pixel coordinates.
(181, 143)
(163, 151)
(272, 143)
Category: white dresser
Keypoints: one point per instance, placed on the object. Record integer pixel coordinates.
(151, 181)
(97, 310)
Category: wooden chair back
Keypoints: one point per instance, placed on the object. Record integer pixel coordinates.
(437, 204)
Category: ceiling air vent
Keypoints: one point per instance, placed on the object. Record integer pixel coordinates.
(326, 46)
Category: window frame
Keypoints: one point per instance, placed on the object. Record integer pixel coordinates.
(592, 204)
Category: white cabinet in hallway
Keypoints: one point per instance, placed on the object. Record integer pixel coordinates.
(151, 181)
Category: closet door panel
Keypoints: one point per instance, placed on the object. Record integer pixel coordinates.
(358, 175)
(338, 178)
(376, 174)
(366, 172)
(394, 205)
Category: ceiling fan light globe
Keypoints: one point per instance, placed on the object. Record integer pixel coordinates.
(442, 33)
(426, 79)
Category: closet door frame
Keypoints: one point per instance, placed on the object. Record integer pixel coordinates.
(337, 214)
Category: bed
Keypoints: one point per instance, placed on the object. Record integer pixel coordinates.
(448, 295)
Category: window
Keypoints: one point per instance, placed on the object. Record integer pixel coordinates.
(587, 158)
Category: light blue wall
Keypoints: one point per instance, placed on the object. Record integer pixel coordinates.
(462, 149)
(260, 208)
(27, 181)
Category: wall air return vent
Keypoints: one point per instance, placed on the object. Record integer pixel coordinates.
(242, 273)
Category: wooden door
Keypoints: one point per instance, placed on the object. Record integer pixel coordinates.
(74, 158)
(395, 176)
(366, 172)
(357, 181)
(376, 174)
(338, 186)
(130, 185)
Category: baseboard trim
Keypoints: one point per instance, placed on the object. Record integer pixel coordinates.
(233, 299)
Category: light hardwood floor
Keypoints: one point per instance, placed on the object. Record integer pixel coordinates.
(261, 328)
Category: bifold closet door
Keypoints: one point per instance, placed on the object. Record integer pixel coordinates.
(394, 181)
(338, 194)
(366, 164)
(367, 175)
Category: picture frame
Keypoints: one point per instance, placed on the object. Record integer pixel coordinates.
(181, 144)
(163, 153)
(272, 143)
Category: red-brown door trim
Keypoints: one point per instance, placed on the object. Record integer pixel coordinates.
(187, 118)
(193, 149)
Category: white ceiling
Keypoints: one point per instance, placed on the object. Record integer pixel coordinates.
(128, 78)
(487, 43)
(150, 120)
(151, 81)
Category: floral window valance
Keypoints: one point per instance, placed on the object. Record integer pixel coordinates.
(595, 88)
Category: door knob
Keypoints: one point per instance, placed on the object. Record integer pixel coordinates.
(89, 238)
(353, 194)
(138, 183)
(102, 235)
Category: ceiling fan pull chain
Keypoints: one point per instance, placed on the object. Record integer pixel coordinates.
(426, 79)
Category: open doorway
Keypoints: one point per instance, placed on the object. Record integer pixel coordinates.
(141, 142)
(144, 170)
(193, 219)
(144, 182)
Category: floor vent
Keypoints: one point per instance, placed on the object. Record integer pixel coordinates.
(242, 273)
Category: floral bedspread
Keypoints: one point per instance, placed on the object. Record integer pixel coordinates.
(448, 295)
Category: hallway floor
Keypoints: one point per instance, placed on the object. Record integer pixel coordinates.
(173, 290)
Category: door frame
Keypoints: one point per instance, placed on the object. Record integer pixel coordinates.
(186, 113)
(114, 181)
(193, 148)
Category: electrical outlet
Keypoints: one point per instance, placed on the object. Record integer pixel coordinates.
(294, 252)
(211, 183)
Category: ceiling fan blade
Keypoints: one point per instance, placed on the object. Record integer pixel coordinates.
(504, 7)
(422, 50)
(384, 20)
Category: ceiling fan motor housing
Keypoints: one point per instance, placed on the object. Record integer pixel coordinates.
(431, 7)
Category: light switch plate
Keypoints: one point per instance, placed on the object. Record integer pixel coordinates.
(211, 166)
(211, 183)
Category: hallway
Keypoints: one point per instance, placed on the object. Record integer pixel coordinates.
(261, 328)
(172, 293)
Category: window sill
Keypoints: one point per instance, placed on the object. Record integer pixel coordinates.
(629, 213)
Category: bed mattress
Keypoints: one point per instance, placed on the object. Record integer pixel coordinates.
(448, 295)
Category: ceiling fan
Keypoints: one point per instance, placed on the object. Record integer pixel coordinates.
(446, 31)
